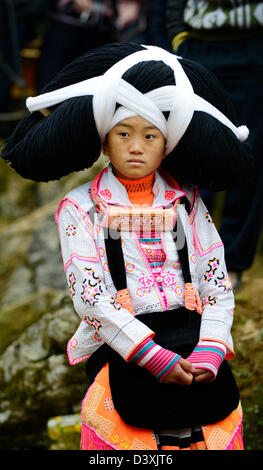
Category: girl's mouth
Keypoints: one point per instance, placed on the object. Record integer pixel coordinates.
(136, 160)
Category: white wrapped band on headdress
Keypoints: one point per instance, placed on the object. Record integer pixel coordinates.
(109, 89)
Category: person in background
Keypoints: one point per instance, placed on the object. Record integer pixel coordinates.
(143, 22)
(72, 28)
(18, 25)
(227, 38)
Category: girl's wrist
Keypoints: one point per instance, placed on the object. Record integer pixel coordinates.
(157, 360)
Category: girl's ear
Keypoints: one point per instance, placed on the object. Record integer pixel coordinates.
(105, 147)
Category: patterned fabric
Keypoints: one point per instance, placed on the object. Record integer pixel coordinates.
(91, 285)
(181, 439)
(157, 360)
(140, 190)
(155, 256)
(107, 428)
(208, 355)
(208, 14)
(100, 417)
(124, 299)
(191, 298)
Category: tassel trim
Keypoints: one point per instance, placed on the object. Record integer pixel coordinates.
(91, 441)
(191, 299)
(123, 297)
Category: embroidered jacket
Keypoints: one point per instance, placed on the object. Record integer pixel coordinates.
(103, 319)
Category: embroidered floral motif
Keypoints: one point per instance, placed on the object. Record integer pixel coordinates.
(210, 300)
(167, 279)
(108, 403)
(97, 337)
(169, 195)
(115, 304)
(72, 282)
(147, 281)
(129, 267)
(223, 282)
(91, 287)
(71, 230)
(106, 194)
(93, 322)
(212, 267)
(178, 290)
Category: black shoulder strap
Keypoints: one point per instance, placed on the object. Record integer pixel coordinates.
(115, 258)
(182, 251)
(184, 200)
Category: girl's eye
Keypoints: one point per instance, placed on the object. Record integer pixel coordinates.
(150, 137)
(124, 134)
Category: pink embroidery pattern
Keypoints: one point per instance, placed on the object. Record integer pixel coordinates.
(168, 195)
(167, 279)
(106, 194)
(223, 282)
(93, 322)
(212, 267)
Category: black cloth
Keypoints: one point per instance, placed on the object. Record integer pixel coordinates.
(144, 402)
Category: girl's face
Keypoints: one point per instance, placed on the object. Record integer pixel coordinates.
(135, 148)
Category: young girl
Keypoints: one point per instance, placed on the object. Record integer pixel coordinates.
(143, 260)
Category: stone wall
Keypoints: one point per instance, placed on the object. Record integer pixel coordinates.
(36, 313)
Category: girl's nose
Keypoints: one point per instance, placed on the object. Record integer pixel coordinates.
(136, 146)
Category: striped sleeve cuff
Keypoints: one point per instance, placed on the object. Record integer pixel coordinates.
(208, 355)
(154, 358)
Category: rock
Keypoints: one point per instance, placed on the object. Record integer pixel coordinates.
(36, 313)
(65, 431)
(19, 285)
(36, 379)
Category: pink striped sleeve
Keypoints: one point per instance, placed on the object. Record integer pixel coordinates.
(154, 358)
(208, 355)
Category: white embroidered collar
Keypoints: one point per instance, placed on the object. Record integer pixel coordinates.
(108, 189)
